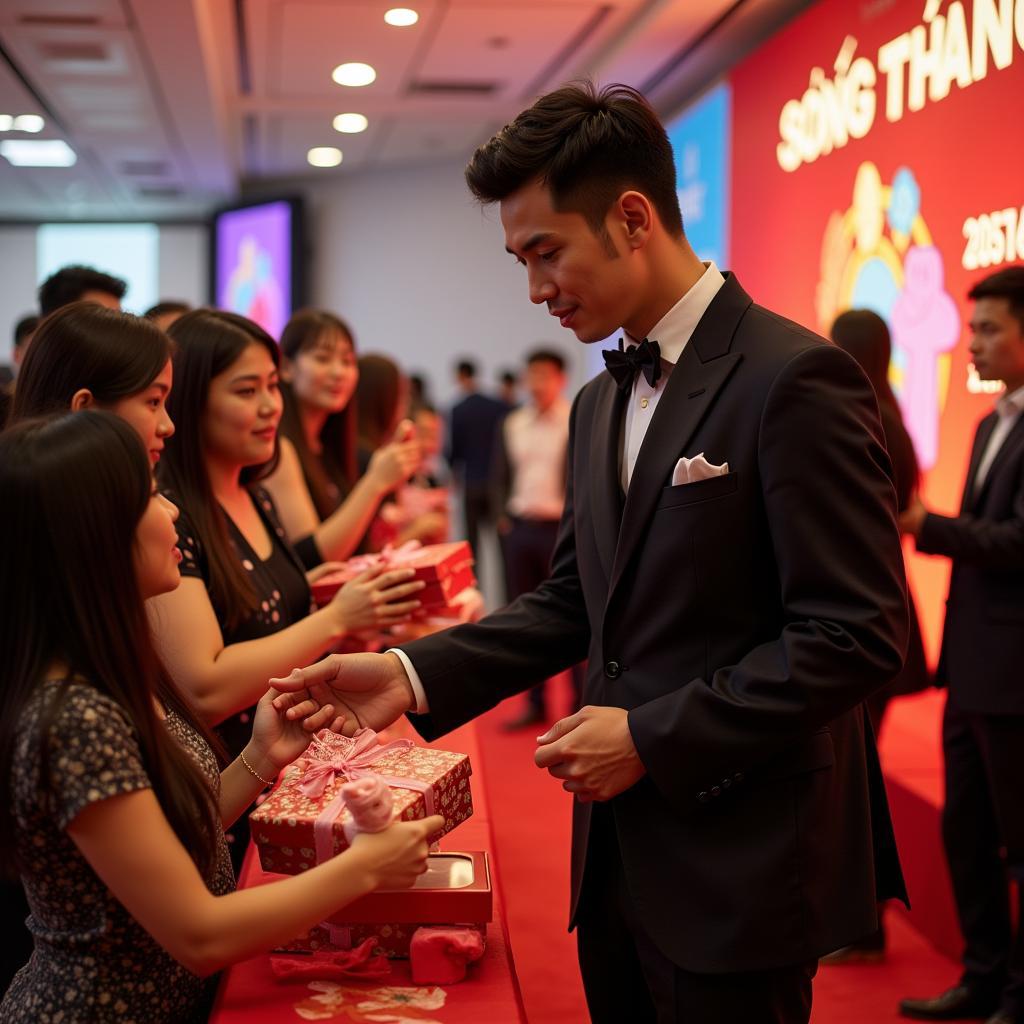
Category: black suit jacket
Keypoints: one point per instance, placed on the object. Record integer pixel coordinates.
(472, 433)
(983, 640)
(741, 620)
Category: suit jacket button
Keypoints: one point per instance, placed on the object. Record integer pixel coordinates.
(726, 783)
(738, 777)
(703, 796)
(716, 790)
(613, 670)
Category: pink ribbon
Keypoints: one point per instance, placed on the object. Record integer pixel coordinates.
(386, 556)
(331, 756)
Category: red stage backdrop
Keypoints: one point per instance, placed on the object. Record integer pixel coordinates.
(878, 161)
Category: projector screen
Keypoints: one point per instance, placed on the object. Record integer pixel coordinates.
(255, 261)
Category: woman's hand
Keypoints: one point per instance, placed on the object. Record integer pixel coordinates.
(395, 857)
(393, 463)
(376, 598)
(277, 738)
(322, 570)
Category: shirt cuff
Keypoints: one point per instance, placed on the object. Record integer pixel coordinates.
(422, 707)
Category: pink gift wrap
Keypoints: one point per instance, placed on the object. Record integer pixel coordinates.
(393, 940)
(283, 825)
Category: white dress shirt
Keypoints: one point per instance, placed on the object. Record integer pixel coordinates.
(671, 332)
(535, 443)
(1008, 408)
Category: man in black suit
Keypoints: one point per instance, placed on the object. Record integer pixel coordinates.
(981, 663)
(473, 428)
(730, 825)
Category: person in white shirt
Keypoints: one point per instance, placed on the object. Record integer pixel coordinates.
(529, 481)
(981, 662)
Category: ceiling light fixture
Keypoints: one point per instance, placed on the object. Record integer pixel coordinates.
(324, 156)
(354, 74)
(350, 124)
(38, 152)
(401, 17)
(28, 123)
(6, 122)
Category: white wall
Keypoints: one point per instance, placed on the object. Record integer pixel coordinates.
(421, 273)
(183, 261)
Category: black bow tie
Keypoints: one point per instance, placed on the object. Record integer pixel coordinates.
(623, 366)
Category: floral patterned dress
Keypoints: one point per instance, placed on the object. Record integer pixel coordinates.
(92, 962)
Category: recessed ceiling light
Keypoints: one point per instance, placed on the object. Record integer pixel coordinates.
(6, 121)
(324, 156)
(401, 16)
(350, 124)
(28, 123)
(38, 152)
(354, 74)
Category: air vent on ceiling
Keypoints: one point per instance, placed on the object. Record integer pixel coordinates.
(159, 192)
(439, 87)
(90, 53)
(144, 168)
(61, 20)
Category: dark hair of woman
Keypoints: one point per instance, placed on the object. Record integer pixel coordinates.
(865, 336)
(75, 488)
(207, 342)
(336, 464)
(84, 345)
(377, 396)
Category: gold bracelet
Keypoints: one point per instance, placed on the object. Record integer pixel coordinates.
(252, 771)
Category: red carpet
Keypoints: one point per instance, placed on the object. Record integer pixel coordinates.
(530, 820)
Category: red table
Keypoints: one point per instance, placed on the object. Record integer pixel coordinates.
(249, 992)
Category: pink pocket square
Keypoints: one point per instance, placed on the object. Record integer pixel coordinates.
(689, 471)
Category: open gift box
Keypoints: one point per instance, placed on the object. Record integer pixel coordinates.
(455, 890)
(302, 822)
(446, 569)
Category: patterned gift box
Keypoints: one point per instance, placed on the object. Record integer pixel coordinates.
(393, 940)
(434, 563)
(307, 800)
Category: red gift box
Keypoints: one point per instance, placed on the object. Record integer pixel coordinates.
(455, 890)
(302, 821)
(434, 564)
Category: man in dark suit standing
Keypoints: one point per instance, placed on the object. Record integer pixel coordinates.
(473, 428)
(982, 663)
(728, 561)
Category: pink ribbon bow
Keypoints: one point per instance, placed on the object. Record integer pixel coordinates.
(388, 556)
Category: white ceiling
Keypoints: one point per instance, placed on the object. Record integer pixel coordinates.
(172, 105)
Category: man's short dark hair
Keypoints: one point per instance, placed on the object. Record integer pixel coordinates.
(466, 368)
(24, 328)
(587, 147)
(70, 283)
(508, 377)
(165, 307)
(547, 355)
(1003, 284)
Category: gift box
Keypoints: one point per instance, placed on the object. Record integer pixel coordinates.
(302, 822)
(454, 890)
(447, 569)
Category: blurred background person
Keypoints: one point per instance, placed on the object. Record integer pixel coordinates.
(508, 388)
(78, 283)
(166, 311)
(865, 336)
(23, 331)
(325, 505)
(472, 434)
(529, 491)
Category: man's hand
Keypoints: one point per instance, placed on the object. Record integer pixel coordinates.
(369, 690)
(592, 752)
(912, 517)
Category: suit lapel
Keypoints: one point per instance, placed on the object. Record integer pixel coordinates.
(1005, 449)
(606, 497)
(702, 371)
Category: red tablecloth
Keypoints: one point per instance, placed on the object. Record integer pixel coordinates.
(249, 993)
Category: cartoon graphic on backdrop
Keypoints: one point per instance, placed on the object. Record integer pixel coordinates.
(879, 255)
(252, 289)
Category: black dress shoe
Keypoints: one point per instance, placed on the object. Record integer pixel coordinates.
(957, 1003)
(527, 720)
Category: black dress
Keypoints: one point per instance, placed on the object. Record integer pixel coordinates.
(92, 963)
(284, 599)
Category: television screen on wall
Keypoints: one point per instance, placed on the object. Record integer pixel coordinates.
(255, 262)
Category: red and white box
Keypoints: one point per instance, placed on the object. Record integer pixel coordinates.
(302, 822)
(446, 569)
(455, 890)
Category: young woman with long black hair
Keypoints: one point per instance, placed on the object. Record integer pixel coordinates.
(113, 806)
(85, 356)
(242, 613)
(324, 504)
